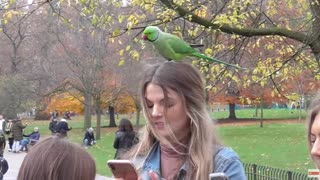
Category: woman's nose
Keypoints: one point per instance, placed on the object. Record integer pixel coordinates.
(157, 111)
(315, 150)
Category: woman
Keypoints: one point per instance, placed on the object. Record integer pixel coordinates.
(179, 140)
(125, 138)
(314, 130)
(56, 158)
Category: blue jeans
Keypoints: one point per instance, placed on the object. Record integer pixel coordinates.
(24, 144)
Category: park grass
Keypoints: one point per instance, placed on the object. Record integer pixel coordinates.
(277, 145)
(267, 114)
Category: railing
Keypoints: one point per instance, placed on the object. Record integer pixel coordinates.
(258, 172)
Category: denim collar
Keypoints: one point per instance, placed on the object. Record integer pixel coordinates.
(152, 162)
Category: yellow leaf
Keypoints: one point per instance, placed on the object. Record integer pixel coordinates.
(120, 18)
(208, 51)
(116, 32)
(270, 46)
(121, 62)
(121, 52)
(254, 78)
(128, 48)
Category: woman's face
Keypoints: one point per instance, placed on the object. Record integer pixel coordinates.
(176, 117)
(315, 140)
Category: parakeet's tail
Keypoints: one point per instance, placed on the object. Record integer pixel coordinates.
(199, 55)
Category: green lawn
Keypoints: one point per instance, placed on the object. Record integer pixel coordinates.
(277, 145)
(267, 114)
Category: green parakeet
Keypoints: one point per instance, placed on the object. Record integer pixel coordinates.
(172, 47)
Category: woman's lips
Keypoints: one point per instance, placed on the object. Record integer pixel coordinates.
(159, 125)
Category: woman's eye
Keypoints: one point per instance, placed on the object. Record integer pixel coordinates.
(170, 105)
(150, 106)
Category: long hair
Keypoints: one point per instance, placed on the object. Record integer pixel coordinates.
(186, 81)
(125, 125)
(314, 111)
(56, 158)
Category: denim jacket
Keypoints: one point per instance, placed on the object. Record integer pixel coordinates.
(226, 161)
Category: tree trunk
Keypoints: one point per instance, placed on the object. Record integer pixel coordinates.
(232, 111)
(261, 114)
(87, 110)
(98, 112)
(256, 115)
(112, 122)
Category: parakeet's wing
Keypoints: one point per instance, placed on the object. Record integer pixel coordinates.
(179, 46)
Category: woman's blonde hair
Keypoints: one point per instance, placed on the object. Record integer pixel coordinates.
(186, 81)
(55, 158)
(314, 110)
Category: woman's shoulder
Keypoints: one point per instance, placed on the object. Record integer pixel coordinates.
(226, 153)
(226, 160)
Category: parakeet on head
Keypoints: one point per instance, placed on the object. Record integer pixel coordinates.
(172, 47)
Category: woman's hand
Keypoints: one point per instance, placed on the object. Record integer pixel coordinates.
(153, 175)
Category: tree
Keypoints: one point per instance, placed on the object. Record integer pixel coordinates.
(291, 34)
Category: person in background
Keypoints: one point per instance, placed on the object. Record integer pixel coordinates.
(3, 167)
(31, 138)
(17, 130)
(63, 127)
(2, 124)
(313, 132)
(53, 126)
(89, 139)
(9, 133)
(179, 140)
(125, 138)
(56, 158)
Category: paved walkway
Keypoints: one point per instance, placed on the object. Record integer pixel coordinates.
(15, 161)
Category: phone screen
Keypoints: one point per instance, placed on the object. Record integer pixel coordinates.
(123, 169)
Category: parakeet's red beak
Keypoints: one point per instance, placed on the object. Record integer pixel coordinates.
(145, 37)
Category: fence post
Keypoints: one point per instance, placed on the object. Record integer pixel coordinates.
(289, 175)
(254, 171)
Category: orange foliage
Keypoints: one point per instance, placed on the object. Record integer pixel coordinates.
(63, 102)
(125, 104)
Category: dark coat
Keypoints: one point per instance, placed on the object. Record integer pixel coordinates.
(63, 127)
(53, 126)
(123, 142)
(4, 167)
(89, 136)
(17, 129)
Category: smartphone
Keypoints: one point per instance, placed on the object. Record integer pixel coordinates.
(123, 169)
(218, 176)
